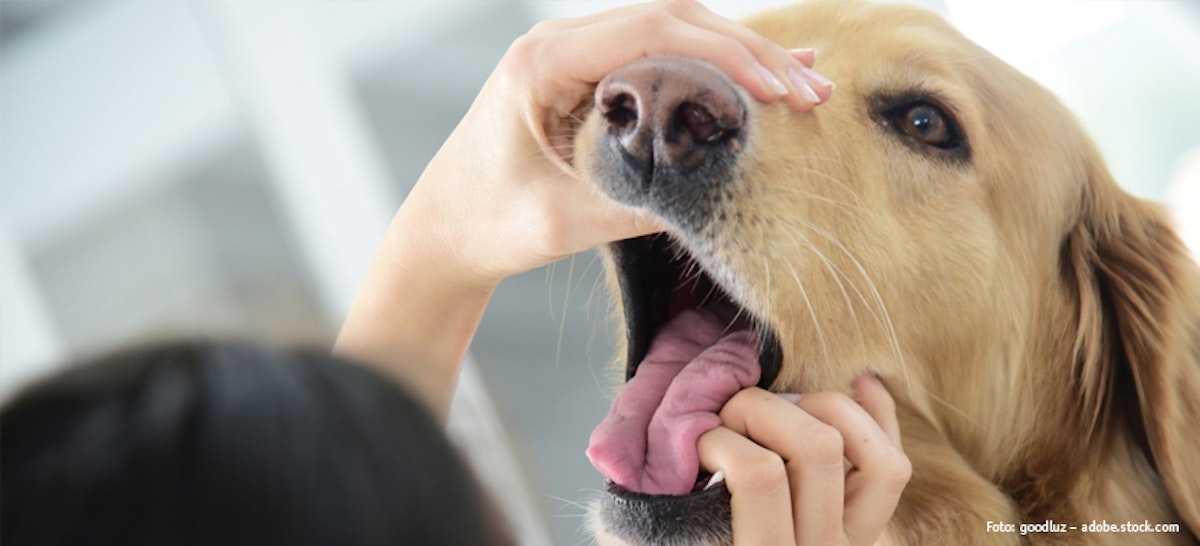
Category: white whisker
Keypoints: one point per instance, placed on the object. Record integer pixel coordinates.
(562, 323)
(886, 319)
(811, 312)
(767, 304)
(837, 274)
(949, 406)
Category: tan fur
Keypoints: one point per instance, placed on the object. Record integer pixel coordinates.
(1039, 327)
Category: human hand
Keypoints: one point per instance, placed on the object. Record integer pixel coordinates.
(784, 465)
(501, 196)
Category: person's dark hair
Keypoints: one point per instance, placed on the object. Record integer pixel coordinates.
(231, 443)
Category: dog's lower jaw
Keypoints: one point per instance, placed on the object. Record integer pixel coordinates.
(605, 539)
(630, 519)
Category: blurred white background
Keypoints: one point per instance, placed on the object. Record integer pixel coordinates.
(226, 168)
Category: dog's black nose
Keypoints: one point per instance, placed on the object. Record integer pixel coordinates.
(667, 121)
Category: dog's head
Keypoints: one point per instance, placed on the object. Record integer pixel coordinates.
(942, 221)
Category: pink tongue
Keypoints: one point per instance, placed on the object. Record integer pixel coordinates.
(647, 444)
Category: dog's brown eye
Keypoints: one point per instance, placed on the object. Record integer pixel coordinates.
(928, 125)
(922, 123)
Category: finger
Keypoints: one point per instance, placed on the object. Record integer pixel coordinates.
(773, 57)
(879, 469)
(664, 34)
(680, 28)
(807, 56)
(878, 403)
(806, 88)
(758, 485)
(820, 85)
(812, 455)
(688, 11)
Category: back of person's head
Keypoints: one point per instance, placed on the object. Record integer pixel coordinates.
(203, 443)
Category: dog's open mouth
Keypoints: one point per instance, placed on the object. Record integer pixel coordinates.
(659, 279)
(691, 347)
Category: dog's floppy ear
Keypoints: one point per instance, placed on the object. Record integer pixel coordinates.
(1138, 340)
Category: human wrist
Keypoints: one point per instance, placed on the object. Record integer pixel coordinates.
(419, 306)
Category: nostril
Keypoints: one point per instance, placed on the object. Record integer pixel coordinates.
(701, 124)
(620, 110)
(665, 117)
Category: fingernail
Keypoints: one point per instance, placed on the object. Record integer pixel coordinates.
(770, 79)
(806, 55)
(791, 396)
(817, 79)
(803, 87)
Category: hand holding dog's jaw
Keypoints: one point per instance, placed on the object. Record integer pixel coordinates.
(766, 440)
(693, 405)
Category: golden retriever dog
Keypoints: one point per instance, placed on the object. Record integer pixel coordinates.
(944, 222)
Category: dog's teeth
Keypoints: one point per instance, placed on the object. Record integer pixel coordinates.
(715, 479)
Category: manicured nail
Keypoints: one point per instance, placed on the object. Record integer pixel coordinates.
(771, 81)
(803, 87)
(818, 80)
(805, 55)
(791, 396)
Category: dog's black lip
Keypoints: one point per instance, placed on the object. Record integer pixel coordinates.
(640, 263)
(640, 518)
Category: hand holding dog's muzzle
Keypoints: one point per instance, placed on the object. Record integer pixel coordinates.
(501, 197)
(506, 174)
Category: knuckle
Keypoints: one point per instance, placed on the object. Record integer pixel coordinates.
(897, 468)
(656, 17)
(542, 27)
(738, 402)
(824, 446)
(524, 49)
(831, 398)
(679, 6)
(763, 471)
(831, 402)
(764, 44)
(892, 470)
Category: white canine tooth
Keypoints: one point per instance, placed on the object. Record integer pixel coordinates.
(715, 479)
